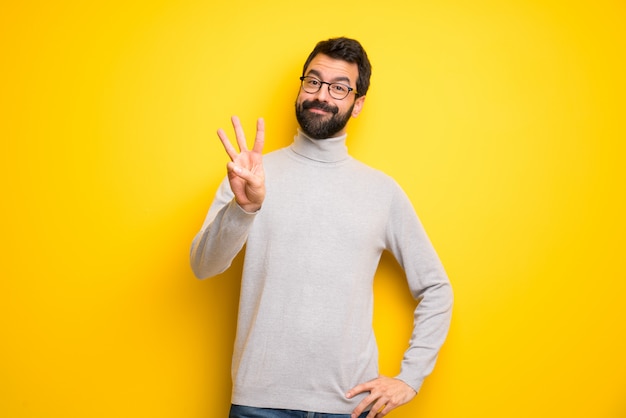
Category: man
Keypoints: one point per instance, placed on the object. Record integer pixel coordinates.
(315, 222)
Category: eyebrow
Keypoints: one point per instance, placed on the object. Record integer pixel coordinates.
(335, 80)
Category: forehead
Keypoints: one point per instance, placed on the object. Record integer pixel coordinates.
(330, 69)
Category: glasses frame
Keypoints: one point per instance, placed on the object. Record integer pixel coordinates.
(350, 89)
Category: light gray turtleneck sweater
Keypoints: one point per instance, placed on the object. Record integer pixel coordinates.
(304, 334)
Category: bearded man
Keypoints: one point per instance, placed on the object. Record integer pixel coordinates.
(315, 223)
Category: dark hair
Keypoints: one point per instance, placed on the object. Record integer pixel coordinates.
(349, 50)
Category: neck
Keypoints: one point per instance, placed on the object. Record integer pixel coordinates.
(328, 150)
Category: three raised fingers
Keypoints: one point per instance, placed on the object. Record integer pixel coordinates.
(241, 138)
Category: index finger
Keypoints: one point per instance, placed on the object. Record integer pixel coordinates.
(360, 388)
(228, 147)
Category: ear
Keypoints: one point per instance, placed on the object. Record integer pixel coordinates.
(358, 106)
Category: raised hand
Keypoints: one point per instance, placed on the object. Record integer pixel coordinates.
(245, 169)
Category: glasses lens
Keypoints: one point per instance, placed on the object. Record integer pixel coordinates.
(311, 85)
(338, 91)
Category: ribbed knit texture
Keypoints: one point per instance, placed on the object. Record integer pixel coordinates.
(304, 335)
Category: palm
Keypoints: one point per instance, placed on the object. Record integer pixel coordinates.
(245, 171)
(245, 192)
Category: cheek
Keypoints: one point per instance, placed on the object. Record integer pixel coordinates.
(301, 97)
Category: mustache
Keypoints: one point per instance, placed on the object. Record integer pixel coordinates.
(316, 104)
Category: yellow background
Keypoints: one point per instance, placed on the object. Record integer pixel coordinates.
(503, 120)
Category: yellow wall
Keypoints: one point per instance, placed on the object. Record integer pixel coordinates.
(504, 122)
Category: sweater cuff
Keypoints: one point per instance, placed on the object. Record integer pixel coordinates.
(415, 384)
(245, 211)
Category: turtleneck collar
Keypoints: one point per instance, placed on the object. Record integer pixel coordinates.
(330, 150)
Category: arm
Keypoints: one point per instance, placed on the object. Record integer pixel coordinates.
(222, 235)
(230, 217)
(430, 286)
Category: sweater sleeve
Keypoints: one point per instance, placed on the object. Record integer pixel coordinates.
(429, 285)
(223, 234)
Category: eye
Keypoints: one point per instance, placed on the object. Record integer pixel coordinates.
(339, 88)
(313, 82)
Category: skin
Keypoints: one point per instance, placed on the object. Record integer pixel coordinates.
(247, 181)
(331, 70)
(245, 169)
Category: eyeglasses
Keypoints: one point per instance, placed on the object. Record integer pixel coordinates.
(337, 91)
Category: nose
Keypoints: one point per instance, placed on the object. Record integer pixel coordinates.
(323, 94)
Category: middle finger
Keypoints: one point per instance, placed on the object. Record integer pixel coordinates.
(241, 138)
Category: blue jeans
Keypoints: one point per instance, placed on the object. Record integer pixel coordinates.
(238, 411)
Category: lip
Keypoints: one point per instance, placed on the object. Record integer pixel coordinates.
(318, 111)
(319, 108)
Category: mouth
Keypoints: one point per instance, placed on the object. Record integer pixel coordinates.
(319, 108)
(318, 111)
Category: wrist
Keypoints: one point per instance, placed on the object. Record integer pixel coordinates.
(249, 208)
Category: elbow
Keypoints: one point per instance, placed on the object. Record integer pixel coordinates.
(199, 265)
(207, 261)
(446, 295)
(199, 273)
(202, 268)
(450, 293)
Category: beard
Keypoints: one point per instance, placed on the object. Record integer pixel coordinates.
(319, 126)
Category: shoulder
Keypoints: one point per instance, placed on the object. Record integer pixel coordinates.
(275, 156)
(375, 176)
